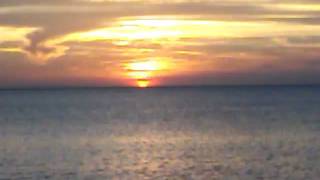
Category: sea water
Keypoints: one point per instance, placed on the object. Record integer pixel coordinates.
(236, 132)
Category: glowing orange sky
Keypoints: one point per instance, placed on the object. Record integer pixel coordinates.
(152, 43)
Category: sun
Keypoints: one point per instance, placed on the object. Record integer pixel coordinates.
(143, 83)
(144, 71)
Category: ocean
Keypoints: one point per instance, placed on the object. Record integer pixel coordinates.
(227, 132)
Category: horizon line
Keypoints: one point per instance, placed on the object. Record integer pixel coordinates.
(151, 87)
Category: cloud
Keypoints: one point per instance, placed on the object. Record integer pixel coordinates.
(236, 41)
(58, 18)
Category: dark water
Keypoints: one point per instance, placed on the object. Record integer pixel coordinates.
(195, 133)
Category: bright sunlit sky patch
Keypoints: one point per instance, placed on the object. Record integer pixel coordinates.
(154, 43)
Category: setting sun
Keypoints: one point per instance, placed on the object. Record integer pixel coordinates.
(144, 71)
(143, 83)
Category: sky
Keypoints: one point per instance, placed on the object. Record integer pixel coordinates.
(158, 42)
